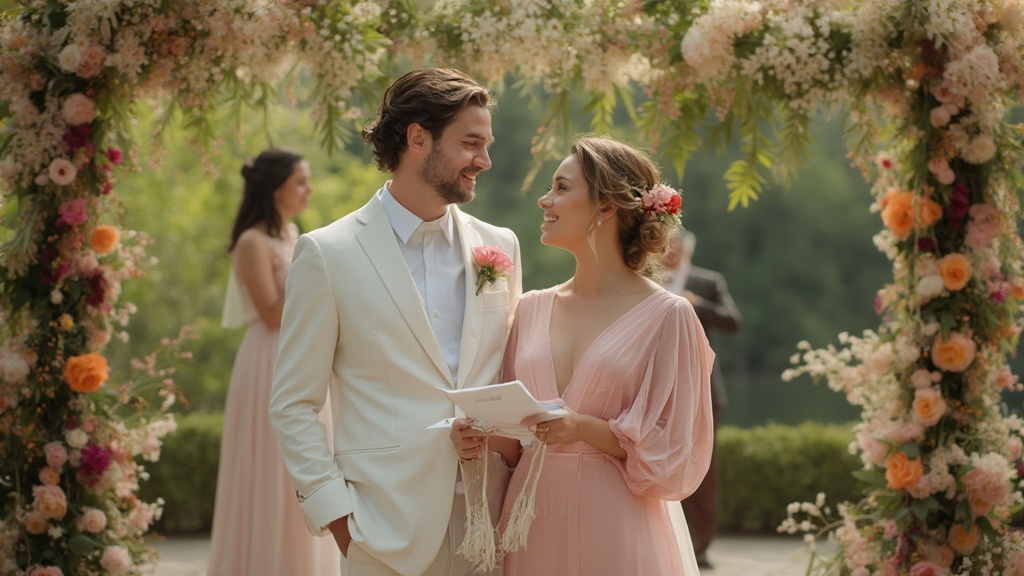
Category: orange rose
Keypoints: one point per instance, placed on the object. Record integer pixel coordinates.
(903, 211)
(902, 472)
(104, 238)
(964, 541)
(86, 373)
(897, 212)
(955, 270)
(1017, 290)
(954, 354)
(928, 212)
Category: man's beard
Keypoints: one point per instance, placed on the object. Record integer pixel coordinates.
(438, 173)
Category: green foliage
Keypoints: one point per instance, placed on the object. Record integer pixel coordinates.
(186, 475)
(762, 470)
(187, 203)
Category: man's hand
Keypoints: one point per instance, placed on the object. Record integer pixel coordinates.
(468, 442)
(339, 529)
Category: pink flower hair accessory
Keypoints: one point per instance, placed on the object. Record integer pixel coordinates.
(491, 263)
(662, 201)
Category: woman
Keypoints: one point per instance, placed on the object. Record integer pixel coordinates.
(632, 366)
(258, 527)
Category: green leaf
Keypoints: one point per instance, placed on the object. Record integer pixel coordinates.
(911, 449)
(921, 508)
(873, 477)
(81, 544)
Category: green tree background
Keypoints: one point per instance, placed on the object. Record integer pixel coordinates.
(800, 263)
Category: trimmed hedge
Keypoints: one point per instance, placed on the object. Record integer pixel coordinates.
(186, 475)
(760, 470)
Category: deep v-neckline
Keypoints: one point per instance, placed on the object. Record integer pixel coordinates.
(586, 353)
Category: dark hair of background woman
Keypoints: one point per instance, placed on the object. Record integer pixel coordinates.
(263, 176)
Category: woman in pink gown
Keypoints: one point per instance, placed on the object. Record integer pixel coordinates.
(632, 365)
(258, 527)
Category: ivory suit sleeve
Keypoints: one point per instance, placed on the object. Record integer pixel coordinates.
(309, 336)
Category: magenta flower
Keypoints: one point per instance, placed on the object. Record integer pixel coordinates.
(73, 212)
(95, 460)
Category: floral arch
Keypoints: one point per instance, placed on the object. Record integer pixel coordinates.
(926, 85)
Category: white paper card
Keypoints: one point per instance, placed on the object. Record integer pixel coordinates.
(503, 407)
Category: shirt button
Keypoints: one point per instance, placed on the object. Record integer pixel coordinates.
(437, 313)
(432, 270)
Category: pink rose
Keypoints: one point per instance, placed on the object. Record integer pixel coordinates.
(49, 501)
(927, 569)
(78, 109)
(92, 521)
(939, 116)
(116, 559)
(73, 212)
(491, 263)
(988, 483)
(90, 63)
(56, 454)
(62, 172)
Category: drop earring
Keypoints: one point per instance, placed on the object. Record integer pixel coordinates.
(598, 222)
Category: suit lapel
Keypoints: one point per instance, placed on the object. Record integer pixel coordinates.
(472, 323)
(381, 247)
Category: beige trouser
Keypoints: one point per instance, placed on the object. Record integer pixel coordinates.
(447, 562)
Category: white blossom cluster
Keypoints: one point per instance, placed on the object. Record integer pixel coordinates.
(547, 42)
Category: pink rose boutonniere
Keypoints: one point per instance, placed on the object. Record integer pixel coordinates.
(491, 264)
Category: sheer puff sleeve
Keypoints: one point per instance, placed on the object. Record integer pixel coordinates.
(668, 432)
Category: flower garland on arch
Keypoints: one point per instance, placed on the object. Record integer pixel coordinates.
(73, 429)
(939, 454)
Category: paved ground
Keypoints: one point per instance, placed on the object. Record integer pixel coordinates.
(731, 555)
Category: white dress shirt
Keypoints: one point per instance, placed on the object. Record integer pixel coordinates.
(434, 256)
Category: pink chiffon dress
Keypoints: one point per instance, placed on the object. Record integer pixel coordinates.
(648, 374)
(258, 526)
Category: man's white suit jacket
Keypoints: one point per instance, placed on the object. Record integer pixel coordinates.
(354, 325)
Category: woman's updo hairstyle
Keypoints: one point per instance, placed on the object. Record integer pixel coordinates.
(263, 176)
(619, 173)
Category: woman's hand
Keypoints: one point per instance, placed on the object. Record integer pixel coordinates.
(564, 430)
(468, 441)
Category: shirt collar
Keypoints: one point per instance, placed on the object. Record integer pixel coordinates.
(405, 222)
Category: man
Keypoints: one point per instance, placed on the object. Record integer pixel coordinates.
(381, 309)
(709, 294)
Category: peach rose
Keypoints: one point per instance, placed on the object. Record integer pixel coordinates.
(92, 521)
(955, 270)
(35, 522)
(104, 238)
(49, 476)
(86, 373)
(78, 109)
(45, 571)
(49, 501)
(964, 541)
(929, 406)
(902, 472)
(954, 354)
